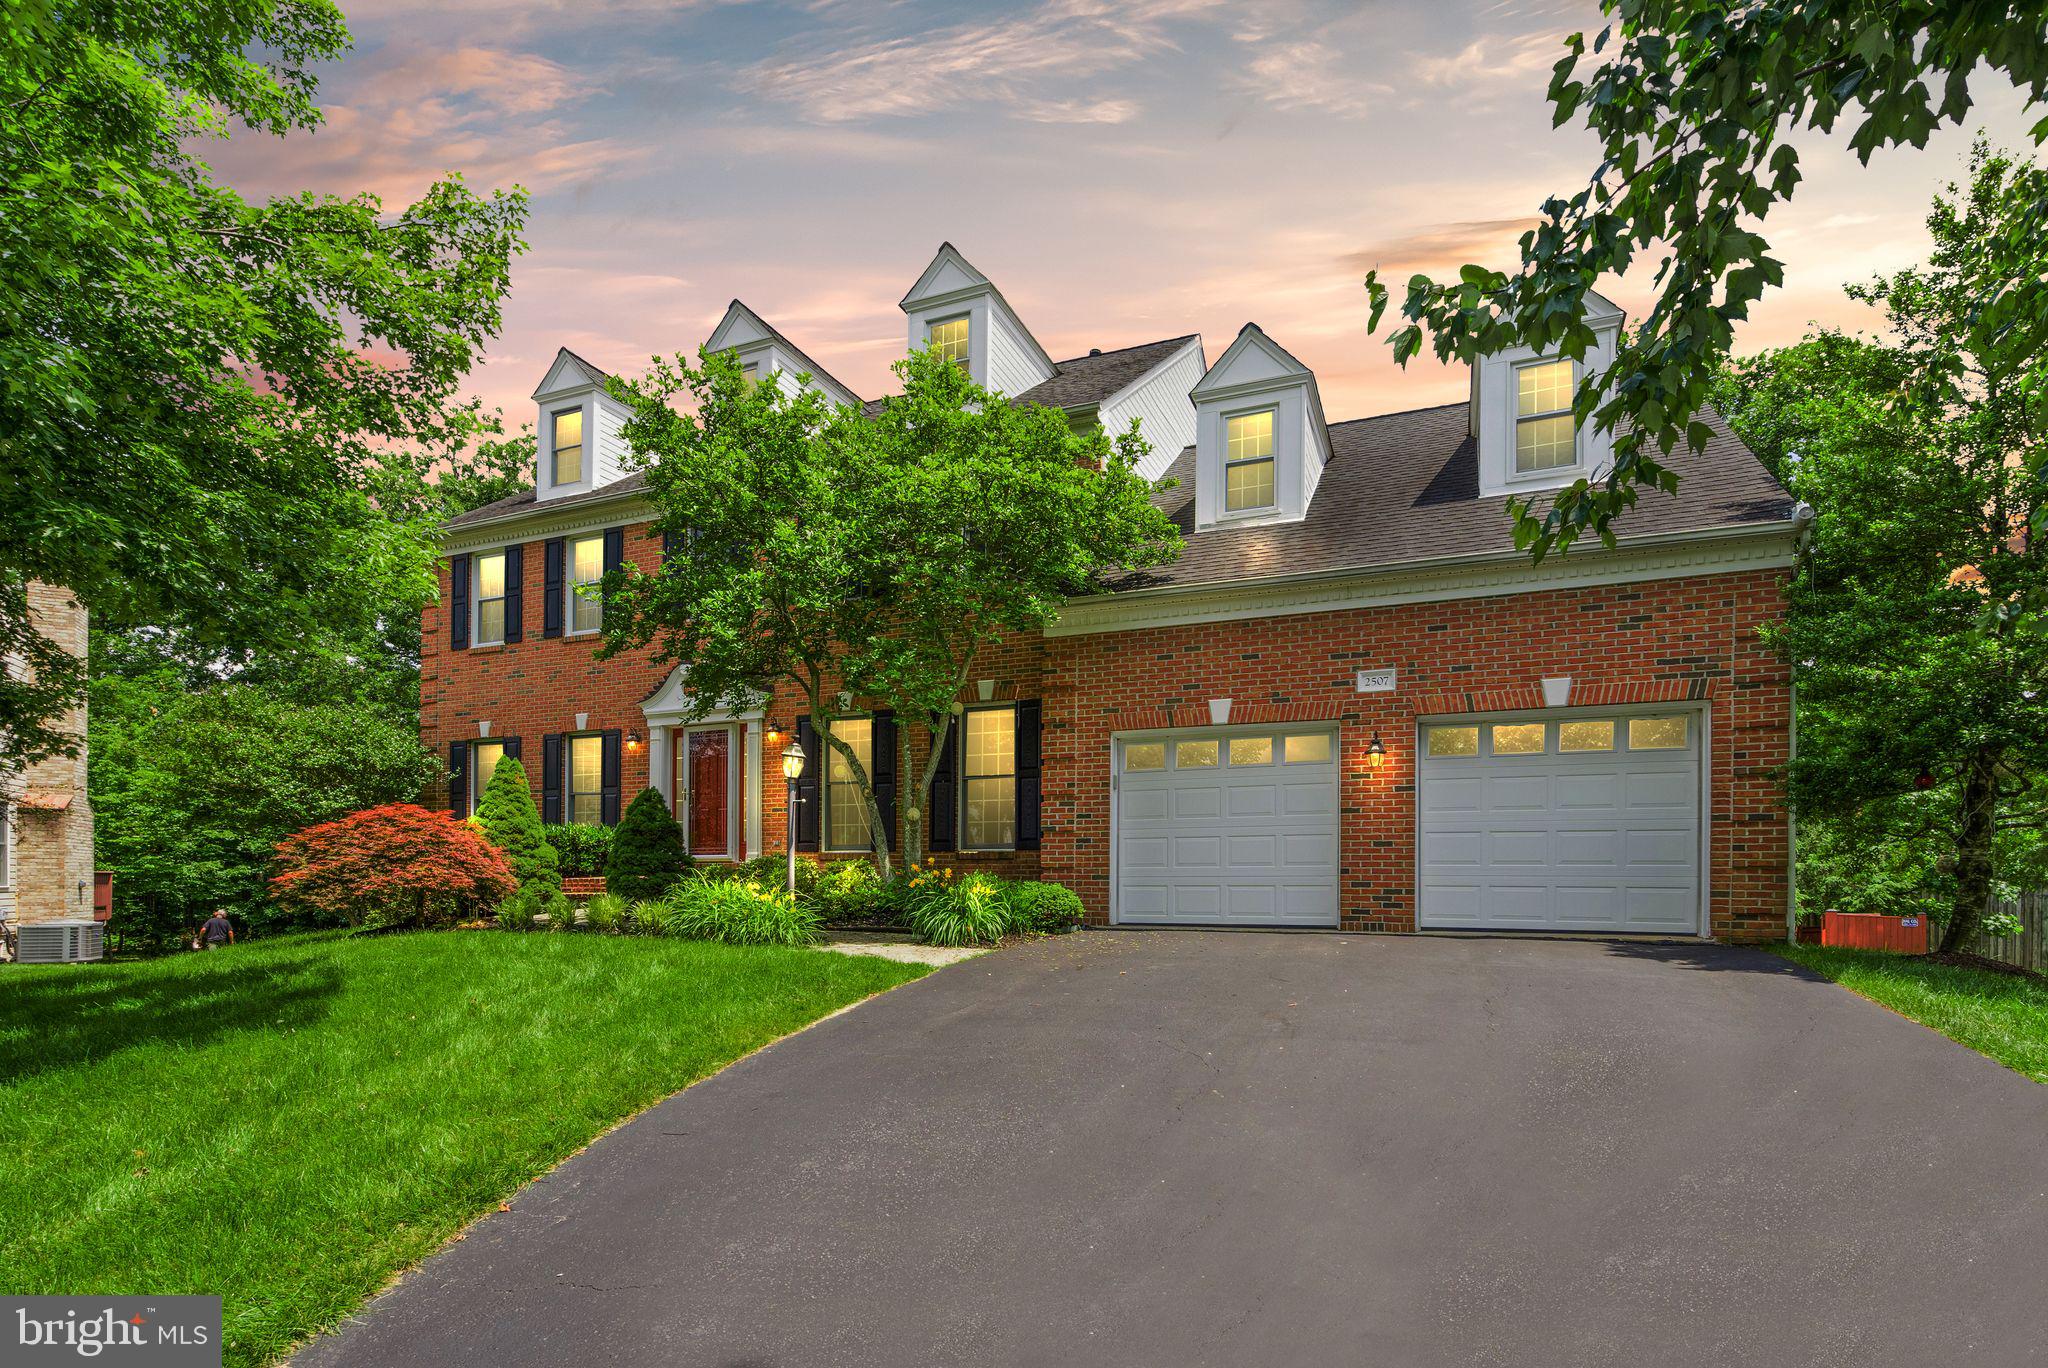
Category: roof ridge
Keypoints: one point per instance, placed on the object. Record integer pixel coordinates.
(1098, 354)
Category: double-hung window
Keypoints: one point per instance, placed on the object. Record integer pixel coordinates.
(483, 763)
(1546, 434)
(490, 598)
(566, 441)
(950, 340)
(586, 566)
(586, 780)
(989, 779)
(1248, 461)
(846, 818)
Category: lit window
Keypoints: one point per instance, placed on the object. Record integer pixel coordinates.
(1546, 435)
(1656, 733)
(490, 598)
(1523, 738)
(1248, 461)
(1452, 740)
(846, 818)
(990, 787)
(1251, 750)
(586, 566)
(1585, 736)
(949, 340)
(568, 446)
(483, 760)
(586, 780)
(1196, 754)
(750, 375)
(1144, 755)
(1313, 749)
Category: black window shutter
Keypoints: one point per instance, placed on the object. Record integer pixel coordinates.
(1029, 766)
(614, 548)
(458, 778)
(515, 593)
(608, 798)
(883, 773)
(551, 778)
(806, 818)
(668, 548)
(458, 603)
(552, 552)
(512, 746)
(945, 813)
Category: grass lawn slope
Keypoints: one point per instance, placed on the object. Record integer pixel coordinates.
(290, 1122)
(2004, 1016)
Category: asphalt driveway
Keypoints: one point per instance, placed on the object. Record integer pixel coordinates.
(1178, 1148)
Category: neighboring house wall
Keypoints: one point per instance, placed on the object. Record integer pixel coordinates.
(49, 872)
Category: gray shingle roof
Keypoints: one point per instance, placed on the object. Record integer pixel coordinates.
(1405, 487)
(1082, 382)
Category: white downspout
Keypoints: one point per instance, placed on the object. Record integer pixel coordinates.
(1802, 537)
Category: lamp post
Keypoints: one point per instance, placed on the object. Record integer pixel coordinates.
(792, 770)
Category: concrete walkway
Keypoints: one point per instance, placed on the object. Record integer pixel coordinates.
(1180, 1148)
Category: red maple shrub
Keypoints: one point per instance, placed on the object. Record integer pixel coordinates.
(396, 865)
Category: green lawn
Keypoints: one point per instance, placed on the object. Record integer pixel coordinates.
(288, 1123)
(2001, 1015)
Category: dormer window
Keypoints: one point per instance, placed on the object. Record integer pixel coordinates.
(1546, 434)
(1248, 462)
(567, 444)
(949, 340)
(750, 375)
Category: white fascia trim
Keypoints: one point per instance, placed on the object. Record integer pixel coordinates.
(534, 524)
(1669, 555)
(1193, 344)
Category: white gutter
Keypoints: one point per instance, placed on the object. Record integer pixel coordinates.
(1802, 539)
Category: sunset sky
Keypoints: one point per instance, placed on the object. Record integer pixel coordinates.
(1124, 169)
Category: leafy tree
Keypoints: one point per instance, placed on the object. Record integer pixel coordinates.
(192, 791)
(647, 854)
(996, 514)
(774, 497)
(397, 865)
(1913, 667)
(197, 386)
(511, 822)
(1693, 104)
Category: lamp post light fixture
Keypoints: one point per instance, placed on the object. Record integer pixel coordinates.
(793, 758)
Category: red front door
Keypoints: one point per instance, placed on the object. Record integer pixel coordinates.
(709, 762)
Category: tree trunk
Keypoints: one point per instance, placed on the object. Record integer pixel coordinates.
(1973, 849)
(920, 797)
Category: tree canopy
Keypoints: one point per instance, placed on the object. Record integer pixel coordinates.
(1693, 103)
(1923, 693)
(199, 388)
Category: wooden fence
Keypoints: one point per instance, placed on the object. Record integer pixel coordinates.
(2024, 949)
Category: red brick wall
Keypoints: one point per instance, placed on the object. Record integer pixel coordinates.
(1687, 639)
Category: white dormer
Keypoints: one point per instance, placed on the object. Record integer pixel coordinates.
(956, 307)
(1522, 412)
(1260, 439)
(765, 354)
(579, 439)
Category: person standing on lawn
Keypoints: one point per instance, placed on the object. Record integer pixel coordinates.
(217, 931)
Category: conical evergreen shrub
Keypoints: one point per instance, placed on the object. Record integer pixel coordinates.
(647, 850)
(511, 822)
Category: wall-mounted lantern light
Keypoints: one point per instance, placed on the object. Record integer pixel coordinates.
(1375, 752)
(633, 741)
(771, 733)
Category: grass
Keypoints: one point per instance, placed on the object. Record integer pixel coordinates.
(2004, 1016)
(288, 1123)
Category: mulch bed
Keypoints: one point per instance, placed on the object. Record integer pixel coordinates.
(1967, 961)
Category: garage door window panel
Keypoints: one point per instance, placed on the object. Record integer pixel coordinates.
(1251, 750)
(1144, 755)
(1580, 737)
(1197, 754)
(1656, 733)
(1452, 741)
(1309, 749)
(1520, 738)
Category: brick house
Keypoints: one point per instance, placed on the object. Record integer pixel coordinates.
(1351, 703)
(45, 816)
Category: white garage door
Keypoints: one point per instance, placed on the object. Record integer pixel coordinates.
(1234, 828)
(1587, 823)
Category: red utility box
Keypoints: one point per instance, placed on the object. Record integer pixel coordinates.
(1869, 931)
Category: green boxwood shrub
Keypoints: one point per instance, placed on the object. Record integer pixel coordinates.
(847, 891)
(1045, 909)
(582, 848)
(738, 912)
(511, 822)
(647, 855)
(973, 910)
